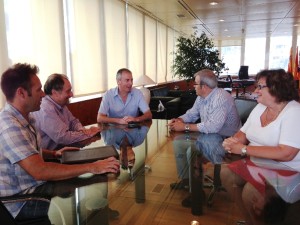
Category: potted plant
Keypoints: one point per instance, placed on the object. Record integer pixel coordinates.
(195, 53)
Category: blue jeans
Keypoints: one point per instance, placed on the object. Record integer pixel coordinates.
(207, 145)
(183, 153)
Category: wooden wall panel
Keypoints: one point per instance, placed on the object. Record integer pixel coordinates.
(86, 111)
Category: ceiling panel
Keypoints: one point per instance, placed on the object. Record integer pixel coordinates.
(242, 18)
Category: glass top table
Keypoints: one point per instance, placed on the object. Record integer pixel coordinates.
(138, 194)
(141, 193)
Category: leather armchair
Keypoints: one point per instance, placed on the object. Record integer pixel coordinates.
(167, 98)
(176, 102)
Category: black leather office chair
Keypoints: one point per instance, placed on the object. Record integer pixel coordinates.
(242, 83)
(244, 108)
(8, 219)
(243, 73)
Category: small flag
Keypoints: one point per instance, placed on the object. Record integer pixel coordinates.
(297, 68)
(290, 65)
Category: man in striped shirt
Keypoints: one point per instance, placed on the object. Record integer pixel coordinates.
(217, 113)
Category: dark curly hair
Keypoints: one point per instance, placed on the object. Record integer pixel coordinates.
(280, 83)
(19, 75)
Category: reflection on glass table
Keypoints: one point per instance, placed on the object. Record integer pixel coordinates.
(271, 190)
(125, 139)
(192, 150)
(276, 186)
(90, 201)
(61, 196)
(145, 199)
(268, 190)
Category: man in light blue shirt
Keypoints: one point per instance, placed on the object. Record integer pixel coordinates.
(123, 103)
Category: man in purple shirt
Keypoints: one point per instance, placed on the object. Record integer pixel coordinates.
(56, 124)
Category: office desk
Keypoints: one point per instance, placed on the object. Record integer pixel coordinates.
(224, 83)
(236, 84)
(241, 84)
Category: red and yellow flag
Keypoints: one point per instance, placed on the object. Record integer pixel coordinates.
(290, 65)
(296, 72)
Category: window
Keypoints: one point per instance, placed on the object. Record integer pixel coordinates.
(115, 37)
(280, 52)
(34, 34)
(86, 54)
(255, 54)
(231, 57)
(172, 37)
(150, 48)
(161, 52)
(135, 43)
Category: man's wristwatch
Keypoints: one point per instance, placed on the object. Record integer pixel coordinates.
(187, 127)
(244, 150)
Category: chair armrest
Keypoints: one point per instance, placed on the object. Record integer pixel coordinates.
(25, 197)
(173, 108)
(175, 101)
(154, 101)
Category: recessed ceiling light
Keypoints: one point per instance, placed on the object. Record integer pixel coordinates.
(229, 36)
(181, 15)
(226, 30)
(221, 20)
(213, 3)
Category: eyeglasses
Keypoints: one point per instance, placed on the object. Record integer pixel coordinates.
(195, 84)
(260, 86)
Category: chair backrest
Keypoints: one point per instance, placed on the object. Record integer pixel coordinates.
(243, 73)
(244, 107)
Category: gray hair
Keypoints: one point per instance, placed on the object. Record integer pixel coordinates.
(120, 71)
(207, 77)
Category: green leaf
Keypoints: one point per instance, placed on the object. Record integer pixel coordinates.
(195, 53)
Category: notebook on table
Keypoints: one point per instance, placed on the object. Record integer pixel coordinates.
(86, 155)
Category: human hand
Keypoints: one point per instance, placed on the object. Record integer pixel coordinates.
(92, 131)
(129, 119)
(122, 120)
(175, 120)
(177, 126)
(109, 165)
(59, 152)
(232, 145)
(88, 141)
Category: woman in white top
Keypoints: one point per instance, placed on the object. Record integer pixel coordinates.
(270, 133)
